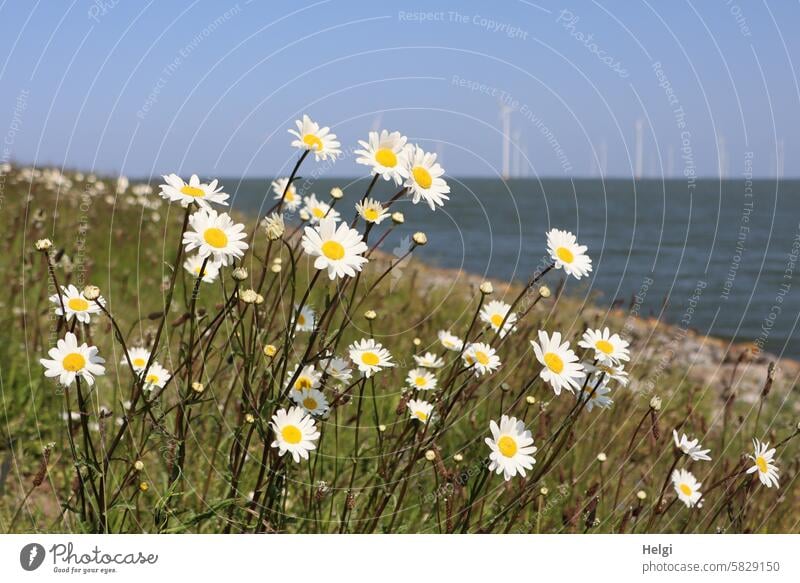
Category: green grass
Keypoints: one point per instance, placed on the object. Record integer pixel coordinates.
(387, 485)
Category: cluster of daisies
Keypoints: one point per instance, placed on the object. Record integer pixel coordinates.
(686, 485)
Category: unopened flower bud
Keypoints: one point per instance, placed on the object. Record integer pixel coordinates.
(487, 288)
(198, 387)
(655, 403)
(641, 494)
(398, 218)
(601, 457)
(370, 314)
(270, 350)
(274, 226)
(381, 427)
(138, 465)
(144, 486)
(543, 491)
(248, 296)
(430, 455)
(239, 274)
(91, 292)
(530, 400)
(544, 291)
(420, 238)
(336, 193)
(458, 457)
(416, 341)
(275, 268)
(249, 418)
(43, 244)
(304, 216)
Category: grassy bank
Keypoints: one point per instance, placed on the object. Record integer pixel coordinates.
(124, 459)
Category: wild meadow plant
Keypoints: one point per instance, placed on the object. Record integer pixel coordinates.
(259, 393)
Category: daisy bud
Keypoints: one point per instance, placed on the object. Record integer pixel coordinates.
(274, 226)
(505, 387)
(304, 216)
(601, 457)
(249, 418)
(398, 218)
(420, 238)
(336, 193)
(530, 400)
(544, 291)
(655, 403)
(239, 274)
(259, 299)
(248, 296)
(91, 292)
(270, 350)
(381, 427)
(370, 315)
(416, 341)
(641, 494)
(144, 487)
(138, 465)
(278, 260)
(544, 491)
(43, 244)
(275, 268)
(430, 455)
(198, 387)
(458, 457)
(487, 288)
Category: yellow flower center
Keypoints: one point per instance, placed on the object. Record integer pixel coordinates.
(604, 346)
(152, 379)
(78, 304)
(215, 237)
(310, 403)
(301, 320)
(73, 362)
(313, 142)
(318, 212)
(761, 463)
(565, 255)
(303, 383)
(193, 191)
(291, 434)
(289, 195)
(370, 358)
(422, 176)
(370, 214)
(497, 319)
(419, 381)
(139, 362)
(333, 250)
(554, 362)
(386, 157)
(482, 357)
(507, 446)
(421, 415)
(685, 489)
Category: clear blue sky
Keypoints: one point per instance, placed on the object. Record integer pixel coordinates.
(212, 86)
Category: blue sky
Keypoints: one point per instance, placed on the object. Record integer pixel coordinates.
(211, 87)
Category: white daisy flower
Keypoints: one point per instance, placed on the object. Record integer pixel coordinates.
(308, 378)
(370, 356)
(371, 211)
(567, 254)
(386, 154)
(686, 487)
(215, 235)
(138, 356)
(495, 312)
(561, 366)
(691, 447)
(607, 347)
(512, 447)
(319, 140)
(429, 360)
(482, 357)
(194, 263)
(425, 180)
(605, 373)
(421, 379)
(75, 304)
(420, 410)
(312, 400)
(339, 250)
(763, 457)
(305, 319)
(596, 397)
(157, 377)
(317, 209)
(449, 341)
(69, 360)
(337, 368)
(295, 432)
(176, 190)
(292, 200)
